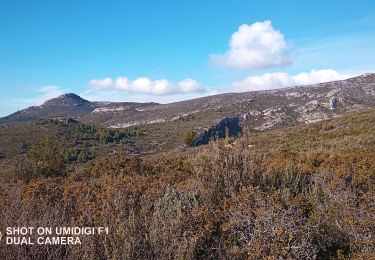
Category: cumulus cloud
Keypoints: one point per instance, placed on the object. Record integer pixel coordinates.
(101, 83)
(256, 46)
(281, 80)
(147, 86)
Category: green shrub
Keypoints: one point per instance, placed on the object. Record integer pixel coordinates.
(46, 160)
(189, 137)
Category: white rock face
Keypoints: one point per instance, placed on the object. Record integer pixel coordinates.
(272, 121)
(293, 94)
(271, 110)
(108, 109)
(135, 123)
(308, 107)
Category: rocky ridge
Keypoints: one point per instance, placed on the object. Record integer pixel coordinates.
(258, 110)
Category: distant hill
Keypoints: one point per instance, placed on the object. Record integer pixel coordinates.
(68, 105)
(258, 110)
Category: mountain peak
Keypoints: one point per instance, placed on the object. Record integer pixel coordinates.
(69, 95)
(67, 99)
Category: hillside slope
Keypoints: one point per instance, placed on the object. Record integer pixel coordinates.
(259, 110)
(305, 192)
(262, 109)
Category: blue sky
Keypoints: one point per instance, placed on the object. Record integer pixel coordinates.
(166, 51)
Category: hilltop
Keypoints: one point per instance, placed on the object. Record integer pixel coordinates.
(164, 125)
(269, 108)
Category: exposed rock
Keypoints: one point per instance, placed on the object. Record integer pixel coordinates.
(313, 117)
(332, 103)
(254, 113)
(308, 107)
(228, 124)
(258, 109)
(246, 116)
(64, 120)
(272, 120)
(108, 109)
(135, 123)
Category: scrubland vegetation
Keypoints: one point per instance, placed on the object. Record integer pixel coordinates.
(300, 193)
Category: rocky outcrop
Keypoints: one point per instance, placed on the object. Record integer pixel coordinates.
(332, 103)
(228, 125)
(64, 120)
(258, 110)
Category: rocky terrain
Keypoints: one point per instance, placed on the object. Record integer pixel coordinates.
(228, 126)
(259, 110)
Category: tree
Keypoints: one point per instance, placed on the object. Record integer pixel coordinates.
(46, 159)
(189, 137)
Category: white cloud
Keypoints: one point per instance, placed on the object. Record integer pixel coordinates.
(50, 91)
(35, 97)
(114, 95)
(281, 80)
(45, 93)
(101, 83)
(255, 46)
(147, 86)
